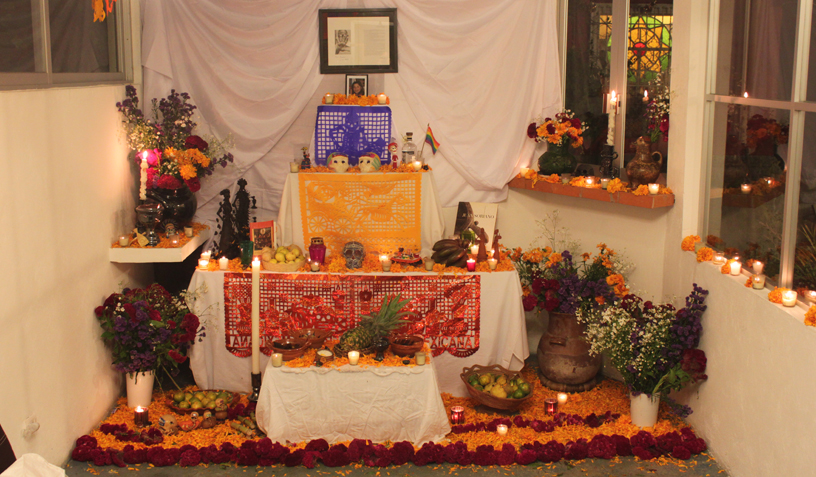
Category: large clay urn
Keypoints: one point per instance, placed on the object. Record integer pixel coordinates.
(563, 355)
(643, 169)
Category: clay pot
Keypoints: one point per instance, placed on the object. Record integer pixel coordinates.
(643, 169)
(563, 354)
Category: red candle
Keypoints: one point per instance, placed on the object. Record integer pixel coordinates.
(551, 406)
(471, 265)
(457, 415)
(140, 417)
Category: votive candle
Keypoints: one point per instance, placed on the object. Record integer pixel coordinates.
(474, 249)
(758, 267)
(758, 282)
(420, 358)
(654, 188)
(314, 265)
(719, 258)
(223, 263)
(562, 398)
(141, 416)
(810, 296)
(502, 429)
(294, 167)
(604, 183)
(471, 265)
(492, 262)
(174, 241)
(203, 264)
(124, 241)
(353, 357)
(188, 231)
(457, 415)
(589, 181)
(329, 98)
(735, 268)
(382, 98)
(566, 178)
(789, 298)
(206, 255)
(417, 165)
(550, 406)
(277, 360)
(524, 171)
(429, 263)
(386, 263)
(745, 188)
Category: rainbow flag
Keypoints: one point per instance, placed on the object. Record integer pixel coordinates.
(431, 140)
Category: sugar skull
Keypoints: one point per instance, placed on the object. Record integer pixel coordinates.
(338, 161)
(369, 162)
(168, 425)
(354, 253)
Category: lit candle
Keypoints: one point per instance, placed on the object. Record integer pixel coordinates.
(471, 265)
(417, 165)
(745, 188)
(745, 95)
(124, 241)
(719, 258)
(810, 296)
(769, 181)
(429, 263)
(223, 263)
(277, 360)
(566, 178)
(206, 255)
(789, 298)
(420, 358)
(188, 231)
(202, 264)
(140, 417)
(735, 267)
(294, 167)
(590, 181)
(314, 265)
(353, 357)
(645, 95)
(457, 415)
(256, 316)
(550, 406)
(613, 110)
(174, 240)
(604, 183)
(758, 267)
(143, 177)
(386, 263)
(329, 98)
(524, 171)
(474, 249)
(562, 398)
(382, 98)
(492, 263)
(654, 189)
(501, 429)
(758, 282)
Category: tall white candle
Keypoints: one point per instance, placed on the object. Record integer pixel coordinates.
(256, 316)
(613, 110)
(143, 177)
(223, 263)
(735, 268)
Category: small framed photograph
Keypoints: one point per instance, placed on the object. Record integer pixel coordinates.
(262, 234)
(357, 85)
(358, 40)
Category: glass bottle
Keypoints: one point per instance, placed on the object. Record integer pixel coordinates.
(409, 150)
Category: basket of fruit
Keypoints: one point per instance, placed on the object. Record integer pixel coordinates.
(186, 402)
(314, 336)
(284, 259)
(496, 387)
(290, 348)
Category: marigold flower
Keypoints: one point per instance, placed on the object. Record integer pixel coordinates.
(641, 190)
(554, 258)
(586, 255)
(615, 185)
(705, 254)
(688, 243)
(187, 171)
(810, 316)
(776, 295)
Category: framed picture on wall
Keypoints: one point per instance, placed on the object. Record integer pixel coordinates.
(357, 85)
(262, 234)
(358, 40)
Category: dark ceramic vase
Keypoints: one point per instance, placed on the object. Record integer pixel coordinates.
(557, 160)
(179, 205)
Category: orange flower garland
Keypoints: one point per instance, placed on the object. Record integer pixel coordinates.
(688, 243)
(776, 295)
(642, 189)
(615, 185)
(552, 179)
(354, 100)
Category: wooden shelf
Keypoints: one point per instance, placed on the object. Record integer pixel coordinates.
(624, 198)
(159, 255)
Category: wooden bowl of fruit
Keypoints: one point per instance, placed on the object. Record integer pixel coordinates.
(200, 401)
(314, 336)
(496, 387)
(406, 345)
(290, 348)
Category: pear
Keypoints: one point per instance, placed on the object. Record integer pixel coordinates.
(498, 391)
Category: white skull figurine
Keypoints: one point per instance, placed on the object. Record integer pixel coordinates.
(168, 425)
(354, 253)
(369, 162)
(338, 162)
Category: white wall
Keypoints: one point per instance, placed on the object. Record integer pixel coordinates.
(68, 192)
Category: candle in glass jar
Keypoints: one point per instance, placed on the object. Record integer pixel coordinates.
(188, 231)
(203, 264)
(223, 263)
(429, 263)
(124, 241)
(604, 183)
(417, 165)
(550, 406)
(206, 255)
(386, 263)
(353, 357)
(562, 398)
(174, 241)
(745, 188)
(474, 249)
(524, 171)
(590, 181)
(140, 417)
(382, 98)
(719, 258)
(457, 415)
(471, 265)
(492, 263)
(810, 296)
(758, 282)
(329, 98)
(314, 265)
(294, 167)
(735, 268)
(502, 429)
(654, 188)
(758, 267)
(789, 298)
(420, 358)
(277, 360)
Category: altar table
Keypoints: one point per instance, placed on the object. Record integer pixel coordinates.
(340, 404)
(502, 333)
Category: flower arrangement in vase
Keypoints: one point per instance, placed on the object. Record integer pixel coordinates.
(558, 132)
(657, 110)
(654, 347)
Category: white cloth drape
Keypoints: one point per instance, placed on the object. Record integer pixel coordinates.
(477, 71)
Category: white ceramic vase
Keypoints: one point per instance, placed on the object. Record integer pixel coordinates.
(140, 388)
(643, 409)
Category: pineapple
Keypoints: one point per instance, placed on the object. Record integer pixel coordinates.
(374, 326)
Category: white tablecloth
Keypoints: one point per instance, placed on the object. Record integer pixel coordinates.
(341, 404)
(503, 335)
(290, 226)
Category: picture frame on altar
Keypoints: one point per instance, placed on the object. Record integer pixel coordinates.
(352, 82)
(358, 40)
(262, 234)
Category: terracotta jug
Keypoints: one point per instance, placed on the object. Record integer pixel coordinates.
(643, 169)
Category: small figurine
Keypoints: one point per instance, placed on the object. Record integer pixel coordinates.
(209, 420)
(305, 163)
(168, 425)
(369, 162)
(482, 238)
(496, 238)
(392, 148)
(338, 161)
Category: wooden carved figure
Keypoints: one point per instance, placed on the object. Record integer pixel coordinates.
(496, 238)
(482, 239)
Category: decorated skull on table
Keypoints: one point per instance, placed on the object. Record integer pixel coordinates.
(354, 253)
(338, 161)
(369, 162)
(168, 425)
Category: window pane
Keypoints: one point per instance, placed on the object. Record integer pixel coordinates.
(804, 266)
(648, 77)
(16, 37)
(78, 44)
(750, 148)
(755, 49)
(589, 37)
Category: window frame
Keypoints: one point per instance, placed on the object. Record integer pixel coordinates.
(124, 12)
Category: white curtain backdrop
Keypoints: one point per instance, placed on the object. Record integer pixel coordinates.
(477, 71)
